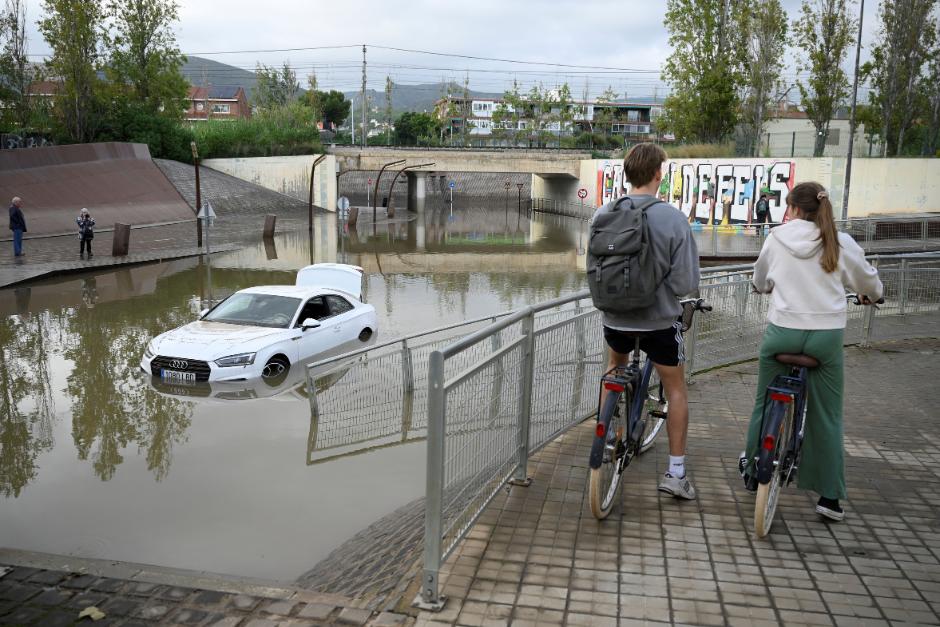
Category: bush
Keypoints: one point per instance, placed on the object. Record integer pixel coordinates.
(165, 137)
(288, 130)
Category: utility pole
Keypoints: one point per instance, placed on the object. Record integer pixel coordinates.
(352, 118)
(192, 146)
(364, 113)
(848, 159)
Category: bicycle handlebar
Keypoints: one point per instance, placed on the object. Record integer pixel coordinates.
(856, 299)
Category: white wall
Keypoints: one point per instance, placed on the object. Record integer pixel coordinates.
(286, 175)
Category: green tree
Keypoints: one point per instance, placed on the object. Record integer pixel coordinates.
(275, 87)
(563, 110)
(705, 69)
(143, 56)
(413, 128)
(604, 116)
(824, 33)
(72, 28)
(906, 38)
(930, 88)
(16, 72)
(766, 38)
(330, 106)
(508, 114)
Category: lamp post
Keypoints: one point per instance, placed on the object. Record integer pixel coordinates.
(192, 146)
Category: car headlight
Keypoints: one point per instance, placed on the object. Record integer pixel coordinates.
(242, 359)
(150, 351)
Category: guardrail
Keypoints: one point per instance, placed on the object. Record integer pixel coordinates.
(882, 234)
(504, 391)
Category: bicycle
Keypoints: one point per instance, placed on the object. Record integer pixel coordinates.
(781, 436)
(630, 420)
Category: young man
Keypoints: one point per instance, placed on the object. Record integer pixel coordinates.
(762, 211)
(17, 225)
(657, 326)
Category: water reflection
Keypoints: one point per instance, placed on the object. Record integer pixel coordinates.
(74, 405)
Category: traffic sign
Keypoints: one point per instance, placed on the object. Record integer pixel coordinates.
(582, 193)
(370, 181)
(508, 184)
(206, 208)
(342, 203)
(452, 185)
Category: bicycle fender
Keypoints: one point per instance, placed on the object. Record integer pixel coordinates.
(765, 467)
(597, 447)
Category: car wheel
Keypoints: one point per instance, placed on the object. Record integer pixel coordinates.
(365, 334)
(275, 371)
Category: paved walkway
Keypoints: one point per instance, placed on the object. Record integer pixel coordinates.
(537, 557)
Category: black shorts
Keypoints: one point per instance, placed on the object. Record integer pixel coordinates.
(664, 346)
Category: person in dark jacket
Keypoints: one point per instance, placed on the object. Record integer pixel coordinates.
(17, 225)
(86, 232)
(762, 211)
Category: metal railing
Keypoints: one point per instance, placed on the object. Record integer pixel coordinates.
(499, 394)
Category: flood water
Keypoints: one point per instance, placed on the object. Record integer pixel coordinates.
(97, 460)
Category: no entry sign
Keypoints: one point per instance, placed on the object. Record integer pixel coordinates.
(582, 193)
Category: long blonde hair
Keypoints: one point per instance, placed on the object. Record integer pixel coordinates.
(812, 200)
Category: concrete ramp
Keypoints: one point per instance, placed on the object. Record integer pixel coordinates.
(117, 182)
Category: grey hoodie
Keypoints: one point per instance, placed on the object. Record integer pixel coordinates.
(803, 295)
(674, 247)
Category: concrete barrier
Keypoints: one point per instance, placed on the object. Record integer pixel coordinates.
(122, 240)
(286, 175)
(270, 221)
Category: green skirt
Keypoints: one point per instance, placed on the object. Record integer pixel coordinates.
(822, 465)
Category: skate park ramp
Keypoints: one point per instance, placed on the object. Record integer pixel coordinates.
(117, 182)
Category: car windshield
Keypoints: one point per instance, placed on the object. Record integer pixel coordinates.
(263, 310)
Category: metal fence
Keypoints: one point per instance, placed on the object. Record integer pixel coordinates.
(504, 391)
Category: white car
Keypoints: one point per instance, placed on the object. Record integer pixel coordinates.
(263, 331)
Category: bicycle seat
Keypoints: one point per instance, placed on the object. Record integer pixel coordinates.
(797, 359)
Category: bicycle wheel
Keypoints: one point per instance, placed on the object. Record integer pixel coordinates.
(604, 481)
(655, 414)
(765, 503)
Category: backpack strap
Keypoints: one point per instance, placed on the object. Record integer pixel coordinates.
(643, 206)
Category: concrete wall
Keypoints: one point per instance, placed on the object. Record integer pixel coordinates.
(287, 175)
(879, 186)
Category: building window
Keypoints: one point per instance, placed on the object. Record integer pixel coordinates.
(200, 106)
(633, 115)
(221, 108)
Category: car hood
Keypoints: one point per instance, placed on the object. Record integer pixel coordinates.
(211, 340)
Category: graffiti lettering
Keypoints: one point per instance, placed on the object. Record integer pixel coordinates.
(703, 190)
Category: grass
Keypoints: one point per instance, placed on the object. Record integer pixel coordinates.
(700, 151)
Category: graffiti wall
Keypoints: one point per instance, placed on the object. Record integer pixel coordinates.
(711, 191)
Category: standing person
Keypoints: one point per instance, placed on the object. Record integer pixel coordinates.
(17, 225)
(86, 232)
(762, 212)
(674, 252)
(806, 266)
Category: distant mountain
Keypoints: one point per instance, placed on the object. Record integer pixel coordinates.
(416, 97)
(200, 71)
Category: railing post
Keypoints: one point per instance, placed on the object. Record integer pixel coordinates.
(312, 397)
(902, 287)
(714, 241)
(521, 476)
(430, 598)
(924, 232)
(691, 339)
(868, 319)
(407, 368)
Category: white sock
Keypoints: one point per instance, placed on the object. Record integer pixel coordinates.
(677, 466)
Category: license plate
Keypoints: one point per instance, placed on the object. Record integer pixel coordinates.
(177, 375)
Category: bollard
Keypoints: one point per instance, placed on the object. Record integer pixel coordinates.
(270, 221)
(353, 217)
(122, 239)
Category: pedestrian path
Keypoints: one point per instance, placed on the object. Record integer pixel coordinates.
(538, 557)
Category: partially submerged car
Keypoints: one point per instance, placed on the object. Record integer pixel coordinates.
(264, 331)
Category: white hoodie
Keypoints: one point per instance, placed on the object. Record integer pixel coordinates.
(803, 295)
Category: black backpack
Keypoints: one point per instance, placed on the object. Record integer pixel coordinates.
(622, 272)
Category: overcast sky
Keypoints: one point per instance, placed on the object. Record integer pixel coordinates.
(614, 34)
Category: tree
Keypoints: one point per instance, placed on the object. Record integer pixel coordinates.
(508, 114)
(143, 56)
(71, 28)
(766, 38)
(906, 37)
(604, 116)
(705, 69)
(414, 128)
(563, 111)
(16, 72)
(930, 88)
(275, 88)
(824, 32)
(388, 107)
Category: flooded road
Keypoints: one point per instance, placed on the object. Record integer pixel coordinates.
(98, 460)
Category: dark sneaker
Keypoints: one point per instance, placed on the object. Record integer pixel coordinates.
(750, 483)
(830, 508)
(679, 488)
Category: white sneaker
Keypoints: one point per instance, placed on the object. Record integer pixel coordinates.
(679, 488)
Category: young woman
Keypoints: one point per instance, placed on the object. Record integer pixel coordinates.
(806, 266)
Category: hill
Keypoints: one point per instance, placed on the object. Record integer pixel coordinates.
(416, 97)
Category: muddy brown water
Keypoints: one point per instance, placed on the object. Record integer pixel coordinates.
(99, 461)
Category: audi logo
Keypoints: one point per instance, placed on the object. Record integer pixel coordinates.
(179, 364)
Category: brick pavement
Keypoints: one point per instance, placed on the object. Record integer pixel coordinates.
(538, 557)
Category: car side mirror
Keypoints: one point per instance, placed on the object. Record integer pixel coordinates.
(202, 314)
(309, 323)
